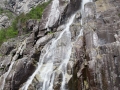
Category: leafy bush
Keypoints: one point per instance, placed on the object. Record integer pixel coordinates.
(10, 33)
(7, 33)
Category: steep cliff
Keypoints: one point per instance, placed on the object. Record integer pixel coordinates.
(75, 46)
(102, 47)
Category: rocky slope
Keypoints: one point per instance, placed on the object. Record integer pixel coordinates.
(73, 47)
(20, 6)
(102, 45)
(9, 9)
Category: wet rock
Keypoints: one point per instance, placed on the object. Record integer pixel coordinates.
(100, 39)
(47, 23)
(57, 80)
(60, 28)
(4, 64)
(70, 67)
(26, 67)
(72, 7)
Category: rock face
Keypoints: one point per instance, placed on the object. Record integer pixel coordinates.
(23, 6)
(4, 21)
(99, 69)
(9, 9)
(68, 49)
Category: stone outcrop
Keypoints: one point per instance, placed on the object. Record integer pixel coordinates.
(94, 61)
(98, 69)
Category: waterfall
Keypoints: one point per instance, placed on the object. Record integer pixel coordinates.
(51, 57)
(55, 56)
(82, 13)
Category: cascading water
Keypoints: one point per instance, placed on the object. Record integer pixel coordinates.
(82, 13)
(55, 57)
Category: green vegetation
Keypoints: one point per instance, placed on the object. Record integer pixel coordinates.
(6, 12)
(51, 32)
(7, 33)
(11, 32)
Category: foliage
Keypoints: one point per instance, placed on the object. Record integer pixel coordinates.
(7, 33)
(51, 32)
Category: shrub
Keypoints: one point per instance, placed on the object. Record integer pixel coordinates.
(10, 33)
(7, 33)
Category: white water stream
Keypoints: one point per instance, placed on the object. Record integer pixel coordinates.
(82, 13)
(51, 56)
(59, 51)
